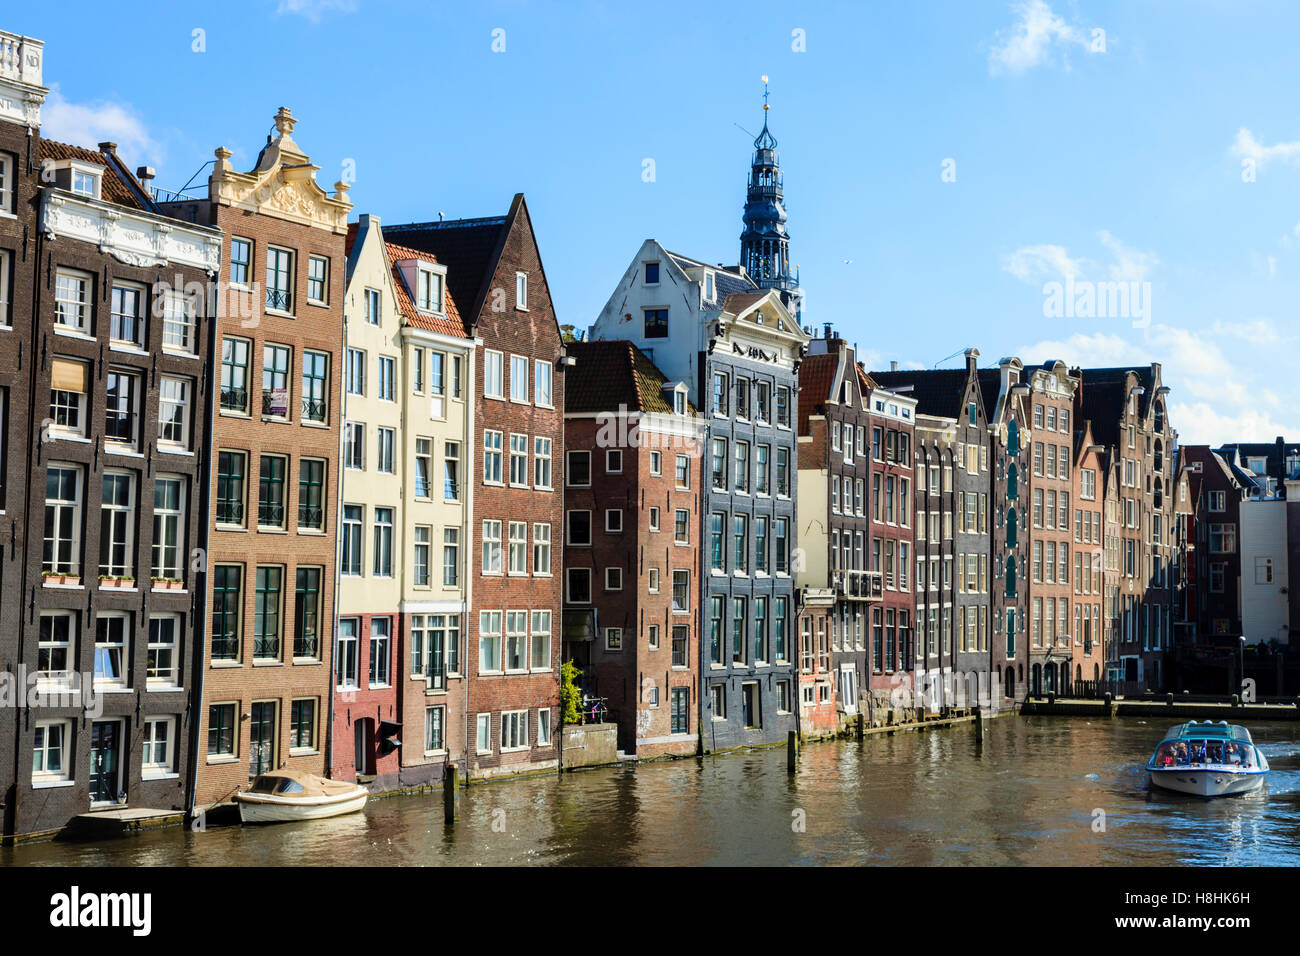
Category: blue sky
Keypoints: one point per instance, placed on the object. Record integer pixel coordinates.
(1168, 153)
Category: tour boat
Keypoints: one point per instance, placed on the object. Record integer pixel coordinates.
(288, 795)
(1208, 760)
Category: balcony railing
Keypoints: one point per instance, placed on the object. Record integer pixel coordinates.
(270, 514)
(266, 646)
(306, 645)
(225, 647)
(119, 426)
(313, 410)
(279, 299)
(311, 517)
(859, 585)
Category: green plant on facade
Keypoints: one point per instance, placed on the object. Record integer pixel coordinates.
(570, 695)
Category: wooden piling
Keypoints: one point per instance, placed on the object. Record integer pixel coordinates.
(449, 816)
(791, 752)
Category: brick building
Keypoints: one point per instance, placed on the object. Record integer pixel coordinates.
(952, 528)
(632, 545)
(495, 277)
(274, 466)
(1088, 650)
(21, 96)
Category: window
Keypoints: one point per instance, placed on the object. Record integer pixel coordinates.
(450, 557)
(355, 372)
(317, 280)
(122, 390)
(163, 664)
(681, 591)
(380, 648)
(434, 730)
(1263, 570)
(354, 445)
(719, 466)
(6, 259)
(491, 547)
(783, 472)
(1223, 538)
(542, 462)
(518, 552)
(276, 362)
(780, 552)
(760, 544)
(315, 386)
(72, 300)
(111, 648)
(579, 528)
(613, 579)
(126, 313)
(428, 291)
(387, 389)
(451, 471)
(543, 383)
(740, 478)
(174, 412)
(614, 521)
(489, 641)
(52, 751)
(306, 617)
(270, 498)
(613, 638)
(68, 386)
(578, 470)
(519, 461)
(1218, 500)
(311, 494)
(721, 388)
(234, 375)
(681, 642)
(761, 483)
(302, 724)
(683, 471)
(168, 527)
(386, 439)
(350, 550)
(764, 404)
(521, 290)
(417, 370)
(541, 640)
(241, 260)
(742, 398)
(373, 306)
(492, 457)
(654, 518)
(681, 526)
(266, 612)
(578, 585)
(519, 379)
(740, 538)
(613, 462)
(652, 273)
(494, 374)
(279, 279)
(422, 544)
(656, 323)
(383, 557)
(783, 406)
(178, 322)
(227, 611)
(62, 552)
(348, 656)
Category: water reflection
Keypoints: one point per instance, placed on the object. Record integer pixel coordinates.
(1040, 791)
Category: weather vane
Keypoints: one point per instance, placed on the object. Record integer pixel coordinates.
(765, 91)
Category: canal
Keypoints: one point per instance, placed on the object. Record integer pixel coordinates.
(1054, 790)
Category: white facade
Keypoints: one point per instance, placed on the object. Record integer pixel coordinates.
(1265, 614)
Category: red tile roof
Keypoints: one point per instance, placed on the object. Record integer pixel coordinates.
(613, 373)
(816, 374)
(114, 186)
(450, 324)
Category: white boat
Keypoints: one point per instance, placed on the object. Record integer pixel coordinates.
(288, 795)
(1208, 760)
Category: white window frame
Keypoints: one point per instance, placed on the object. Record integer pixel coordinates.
(494, 374)
(153, 769)
(80, 305)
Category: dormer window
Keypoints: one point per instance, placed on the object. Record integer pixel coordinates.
(429, 291)
(85, 184)
(708, 286)
(677, 395)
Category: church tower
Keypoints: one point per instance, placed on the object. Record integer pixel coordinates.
(764, 242)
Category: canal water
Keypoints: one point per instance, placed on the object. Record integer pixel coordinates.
(1047, 790)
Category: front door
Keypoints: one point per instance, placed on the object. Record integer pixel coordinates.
(105, 751)
(361, 744)
(849, 688)
(261, 748)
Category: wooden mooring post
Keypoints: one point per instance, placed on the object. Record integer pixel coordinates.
(979, 730)
(449, 796)
(791, 752)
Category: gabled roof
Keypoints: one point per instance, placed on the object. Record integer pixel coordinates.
(726, 280)
(990, 385)
(450, 324)
(816, 379)
(469, 248)
(610, 373)
(117, 185)
(738, 302)
(938, 392)
(1104, 393)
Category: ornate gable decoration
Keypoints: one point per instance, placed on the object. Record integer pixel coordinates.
(136, 239)
(282, 185)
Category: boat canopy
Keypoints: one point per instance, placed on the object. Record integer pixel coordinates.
(1208, 730)
(1206, 744)
(295, 782)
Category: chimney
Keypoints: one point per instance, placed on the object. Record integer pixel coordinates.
(826, 329)
(145, 174)
(108, 147)
(972, 360)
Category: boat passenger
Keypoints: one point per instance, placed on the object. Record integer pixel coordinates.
(1214, 753)
(1165, 755)
(1180, 753)
(1234, 754)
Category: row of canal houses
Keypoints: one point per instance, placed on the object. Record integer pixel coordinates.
(285, 487)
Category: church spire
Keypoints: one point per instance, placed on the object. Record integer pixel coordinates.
(764, 242)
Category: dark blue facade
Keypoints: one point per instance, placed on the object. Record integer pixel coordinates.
(747, 609)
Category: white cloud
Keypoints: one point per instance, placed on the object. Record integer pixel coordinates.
(1259, 332)
(1200, 423)
(1087, 351)
(313, 10)
(1029, 263)
(89, 124)
(1029, 41)
(1248, 147)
